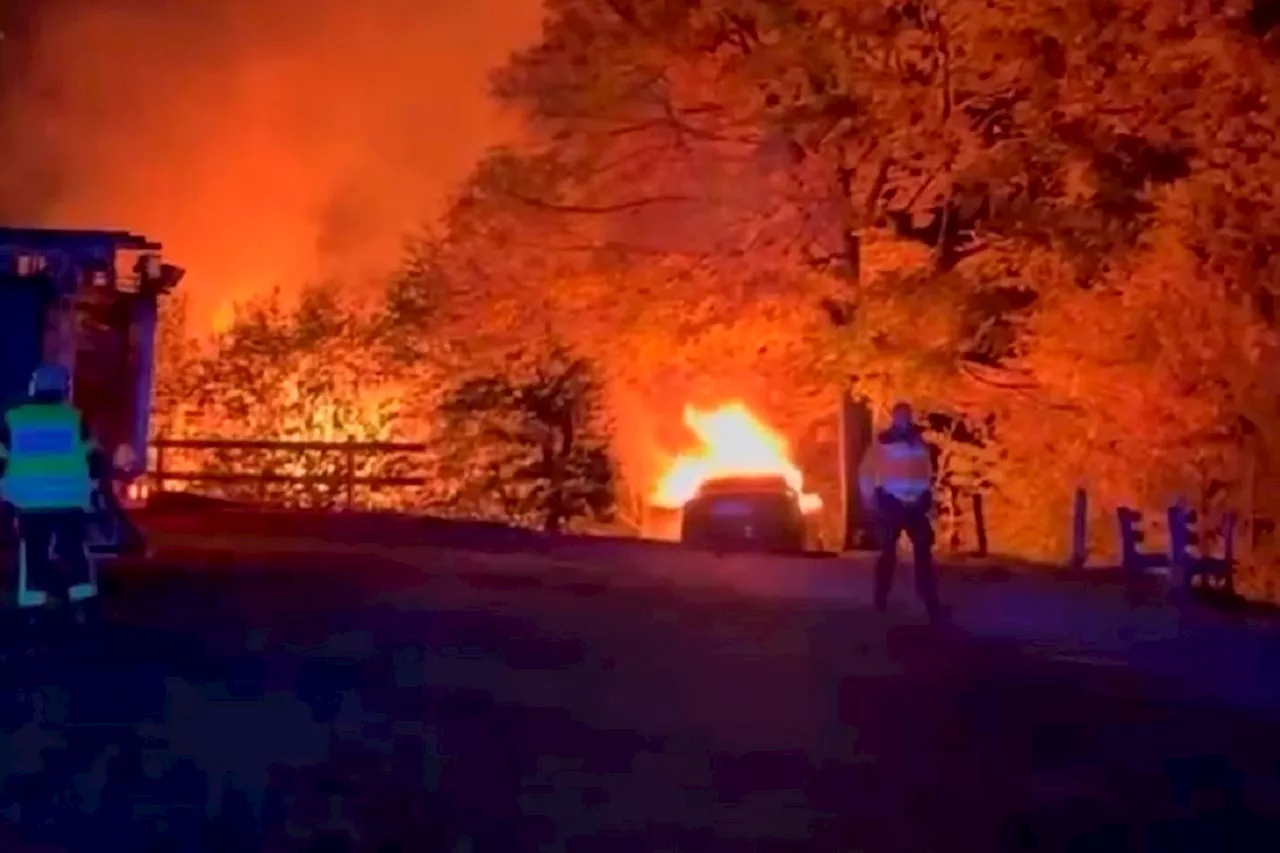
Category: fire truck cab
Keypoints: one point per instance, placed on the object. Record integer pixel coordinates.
(87, 300)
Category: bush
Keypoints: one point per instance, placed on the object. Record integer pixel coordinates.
(528, 445)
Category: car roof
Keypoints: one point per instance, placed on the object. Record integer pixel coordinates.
(746, 485)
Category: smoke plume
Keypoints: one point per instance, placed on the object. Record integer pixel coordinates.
(264, 142)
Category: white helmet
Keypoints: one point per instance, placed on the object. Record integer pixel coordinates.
(51, 378)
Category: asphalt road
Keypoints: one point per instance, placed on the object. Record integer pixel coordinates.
(438, 699)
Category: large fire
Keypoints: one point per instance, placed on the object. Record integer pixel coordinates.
(734, 443)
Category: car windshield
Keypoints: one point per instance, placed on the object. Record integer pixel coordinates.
(751, 504)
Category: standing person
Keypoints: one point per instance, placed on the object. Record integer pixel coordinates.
(48, 465)
(896, 481)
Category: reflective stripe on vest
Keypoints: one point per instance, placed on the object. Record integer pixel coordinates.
(901, 468)
(48, 464)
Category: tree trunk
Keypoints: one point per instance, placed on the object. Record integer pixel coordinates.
(855, 421)
(556, 458)
(855, 438)
(853, 256)
(555, 490)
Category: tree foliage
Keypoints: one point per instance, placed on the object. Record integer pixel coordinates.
(529, 444)
(1049, 223)
(319, 371)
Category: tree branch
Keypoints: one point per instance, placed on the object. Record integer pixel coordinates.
(601, 209)
(619, 248)
(976, 371)
(877, 186)
(627, 14)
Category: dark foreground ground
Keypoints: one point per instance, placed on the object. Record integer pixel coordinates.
(441, 700)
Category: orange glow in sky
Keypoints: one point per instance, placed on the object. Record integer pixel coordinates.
(265, 143)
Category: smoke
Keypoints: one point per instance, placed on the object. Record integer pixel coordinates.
(264, 142)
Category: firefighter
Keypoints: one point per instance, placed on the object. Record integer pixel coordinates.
(48, 465)
(896, 481)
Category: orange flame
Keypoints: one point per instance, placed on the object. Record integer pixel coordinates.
(734, 443)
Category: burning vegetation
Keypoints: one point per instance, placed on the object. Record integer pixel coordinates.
(1048, 225)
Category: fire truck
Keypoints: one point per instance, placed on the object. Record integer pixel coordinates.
(88, 300)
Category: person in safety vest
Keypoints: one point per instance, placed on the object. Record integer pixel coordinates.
(896, 481)
(49, 463)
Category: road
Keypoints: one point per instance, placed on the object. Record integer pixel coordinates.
(276, 689)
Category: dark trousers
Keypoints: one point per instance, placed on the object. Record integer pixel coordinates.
(893, 518)
(65, 532)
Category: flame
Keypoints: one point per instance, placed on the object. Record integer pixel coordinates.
(734, 443)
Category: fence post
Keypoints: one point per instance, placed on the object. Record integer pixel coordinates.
(1250, 540)
(350, 455)
(158, 474)
(980, 523)
(1183, 535)
(1080, 530)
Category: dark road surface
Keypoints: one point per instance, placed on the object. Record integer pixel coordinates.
(440, 700)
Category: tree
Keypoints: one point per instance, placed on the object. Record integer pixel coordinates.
(177, 354)
(318, 371)
(530, 445)
(1049, 224)
(1146, 340)
(735, 162)
(1048, 158)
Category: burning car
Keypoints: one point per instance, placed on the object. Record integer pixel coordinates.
(739, 488)
(753, 513)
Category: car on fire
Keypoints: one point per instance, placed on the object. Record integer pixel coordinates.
(745, 514)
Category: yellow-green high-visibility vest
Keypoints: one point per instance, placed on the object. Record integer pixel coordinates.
(48, 461)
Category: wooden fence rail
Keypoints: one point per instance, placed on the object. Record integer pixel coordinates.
(357, 447)
(347, 481)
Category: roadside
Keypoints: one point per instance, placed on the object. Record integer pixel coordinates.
(1091, 619)
(530, 703)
